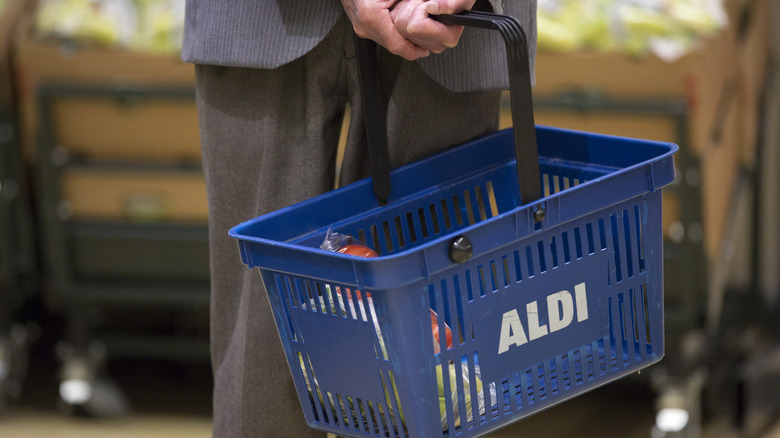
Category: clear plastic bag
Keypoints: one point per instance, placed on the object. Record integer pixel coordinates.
(465, 375)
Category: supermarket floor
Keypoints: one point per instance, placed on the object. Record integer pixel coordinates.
(168, 400)
(173, 400)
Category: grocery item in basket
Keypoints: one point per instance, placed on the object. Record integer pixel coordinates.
(357, 249)
(334, 241)
(467, 396)
(435, 329)
(346, 244)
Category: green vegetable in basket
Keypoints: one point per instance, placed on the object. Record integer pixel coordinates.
(454, 391)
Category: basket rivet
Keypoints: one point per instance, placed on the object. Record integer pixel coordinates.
(460, 249)
(539, 214)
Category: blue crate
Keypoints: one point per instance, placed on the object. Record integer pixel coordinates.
(541, 312)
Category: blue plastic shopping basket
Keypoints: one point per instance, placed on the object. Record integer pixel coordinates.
(545, 300)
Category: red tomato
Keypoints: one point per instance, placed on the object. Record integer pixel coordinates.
(359, 250)
(435, 328)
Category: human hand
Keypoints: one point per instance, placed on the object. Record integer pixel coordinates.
(371, 19)
(412, 20)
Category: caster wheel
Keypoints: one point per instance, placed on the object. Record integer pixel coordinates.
(85, 390)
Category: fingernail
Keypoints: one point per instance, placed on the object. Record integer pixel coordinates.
(432, 8)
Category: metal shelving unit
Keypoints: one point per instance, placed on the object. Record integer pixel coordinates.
(140, 288)
(17, 266)
(17, 244)
(690, 279)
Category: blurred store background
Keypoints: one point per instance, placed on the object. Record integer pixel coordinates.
(103, 244)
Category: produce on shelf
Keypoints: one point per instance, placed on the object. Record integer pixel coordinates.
(160, 25)
(154, 26)
(666, 28)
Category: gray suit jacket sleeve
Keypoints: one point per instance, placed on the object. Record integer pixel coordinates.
(255, 33)
(271, 33)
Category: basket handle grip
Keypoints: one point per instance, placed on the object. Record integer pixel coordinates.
(520, 99)
(374, 116)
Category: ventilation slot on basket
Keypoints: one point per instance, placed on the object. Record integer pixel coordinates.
(447, 314)
(648, 325)
(578, 243)
(630, 332)
(566, 371)
(553, 373)
(357, 414)
(313, 388)
(302, 294)
(395, 411)
(640, 241)
(518, 269)
(348, 420)
(548, 379)
(602, 356)
(554, 183)
(379, 342)
(627, 243)
(481, 397)
(326, 299)
(364, 416)
(285, 291)
(427, 222)
(529, 257)
(590, 239)
(542, 383)
(590, 362)
(527, 385)
(463, 393)
(566, 248)
(535, 259)
(493, 277)
(360, 307)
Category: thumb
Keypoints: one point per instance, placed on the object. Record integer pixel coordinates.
(450, 6)
(432, 7)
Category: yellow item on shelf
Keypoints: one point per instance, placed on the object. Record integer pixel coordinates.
(666, 28)
(150, 26)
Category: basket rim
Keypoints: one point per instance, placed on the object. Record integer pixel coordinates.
(519, 213)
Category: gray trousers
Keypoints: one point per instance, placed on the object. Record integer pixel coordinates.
(269, 139)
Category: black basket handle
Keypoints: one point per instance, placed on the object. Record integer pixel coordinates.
(374, 116)
(520, 98)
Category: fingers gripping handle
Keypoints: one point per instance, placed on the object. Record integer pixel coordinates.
(520, 98)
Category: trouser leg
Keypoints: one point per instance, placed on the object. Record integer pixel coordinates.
(269, 139)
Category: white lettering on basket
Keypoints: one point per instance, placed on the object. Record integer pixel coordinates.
(561, 308)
